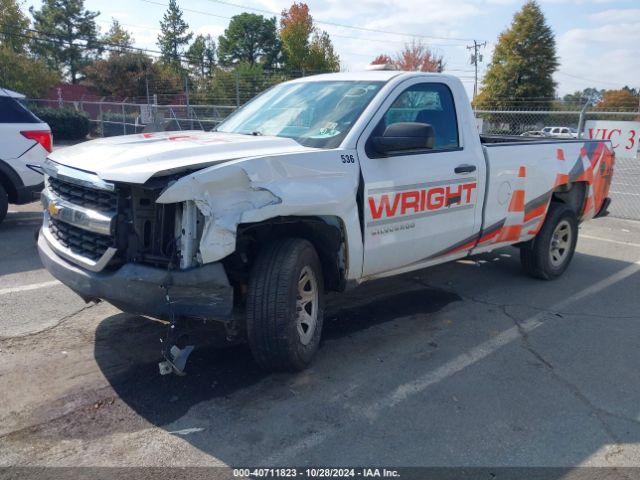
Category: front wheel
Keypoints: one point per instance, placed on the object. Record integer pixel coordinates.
(549, 254)
(285, 305)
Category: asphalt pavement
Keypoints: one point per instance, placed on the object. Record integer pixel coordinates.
(466, 364)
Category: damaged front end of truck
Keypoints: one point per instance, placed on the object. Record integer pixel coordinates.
(178, 246)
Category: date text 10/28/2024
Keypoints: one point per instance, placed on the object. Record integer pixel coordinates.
(315, 473)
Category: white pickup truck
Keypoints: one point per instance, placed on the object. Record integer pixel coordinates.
(316, 185)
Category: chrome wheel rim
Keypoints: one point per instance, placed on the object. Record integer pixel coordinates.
(307, 305)
(560, 243)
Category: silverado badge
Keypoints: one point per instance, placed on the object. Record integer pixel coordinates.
(53, 209)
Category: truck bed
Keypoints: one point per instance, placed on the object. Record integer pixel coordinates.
(511, 139)
(530, 169)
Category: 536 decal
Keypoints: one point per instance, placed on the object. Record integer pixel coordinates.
(348, 159)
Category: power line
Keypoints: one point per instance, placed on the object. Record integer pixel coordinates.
(587, 79)
(59, 39)
(342, 25)
(322, 22)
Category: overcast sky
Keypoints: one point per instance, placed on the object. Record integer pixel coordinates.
(597, 40)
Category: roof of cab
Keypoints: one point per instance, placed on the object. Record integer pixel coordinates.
(369, 75)
(5, 92)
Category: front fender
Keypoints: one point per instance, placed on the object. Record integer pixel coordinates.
(251, 190)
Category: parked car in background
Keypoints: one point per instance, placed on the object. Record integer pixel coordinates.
(560, 132)
(25, 142)
(533, 133)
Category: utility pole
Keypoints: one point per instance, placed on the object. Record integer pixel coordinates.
(475, 59)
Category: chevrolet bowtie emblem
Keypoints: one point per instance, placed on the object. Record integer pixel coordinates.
(53, 209)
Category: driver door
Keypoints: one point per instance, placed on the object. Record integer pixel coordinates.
(419, 205)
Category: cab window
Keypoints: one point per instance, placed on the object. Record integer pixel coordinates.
(430, 103)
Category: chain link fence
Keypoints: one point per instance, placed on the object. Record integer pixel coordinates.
(122, 118)
(109, 118)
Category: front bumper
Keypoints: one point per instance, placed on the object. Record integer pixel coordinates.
(202, 292)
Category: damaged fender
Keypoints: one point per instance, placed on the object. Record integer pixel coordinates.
(258, 188)
(222, 200)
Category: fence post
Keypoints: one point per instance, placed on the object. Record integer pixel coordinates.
(124, 121)
(101, 117)
(146, 82)
(186, 90)
(581, 119)
(237, 89)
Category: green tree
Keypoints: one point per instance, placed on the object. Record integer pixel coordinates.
(202, 56)
(304, 46)
(25, 74)
(523, 64)
(322, 57)
(249, 38)
(296, 27)
(66, 36)
(126, 75)
(174, 36)
(119, 40)
(578, 99)
(13, 25)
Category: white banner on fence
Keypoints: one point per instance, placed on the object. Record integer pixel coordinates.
(146, 114)
(624, 136)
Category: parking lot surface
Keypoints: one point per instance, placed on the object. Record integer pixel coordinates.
(466, 364)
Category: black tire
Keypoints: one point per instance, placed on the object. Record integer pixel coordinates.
(4, 203)
(546, 257)
(273, 300)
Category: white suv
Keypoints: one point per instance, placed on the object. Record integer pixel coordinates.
(25, 142)
(560, 132)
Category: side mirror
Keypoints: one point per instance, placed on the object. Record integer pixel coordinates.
(404, 137)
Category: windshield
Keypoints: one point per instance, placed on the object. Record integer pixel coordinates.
(314, 114)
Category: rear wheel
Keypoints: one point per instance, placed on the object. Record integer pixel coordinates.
(549, 254)
(4, 203)
(285, 305)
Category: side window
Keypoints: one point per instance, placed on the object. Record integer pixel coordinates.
(12, 111)
(430, 103)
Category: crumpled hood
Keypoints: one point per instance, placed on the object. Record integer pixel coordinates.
(137, 158)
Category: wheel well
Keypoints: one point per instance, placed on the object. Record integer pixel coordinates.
(571, 194)
(9, 187)
(326, 234)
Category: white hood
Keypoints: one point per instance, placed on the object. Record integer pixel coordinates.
(137, 158)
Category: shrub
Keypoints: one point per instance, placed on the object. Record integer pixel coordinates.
(65, 124)
(113, 129)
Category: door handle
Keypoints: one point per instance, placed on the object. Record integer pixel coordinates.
(465, 169)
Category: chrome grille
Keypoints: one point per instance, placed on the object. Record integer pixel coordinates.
(81, 242)
(93, 199)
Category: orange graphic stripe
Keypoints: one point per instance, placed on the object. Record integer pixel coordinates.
(517, 201)
(561, 179)
(510, 233)
(535, 212)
